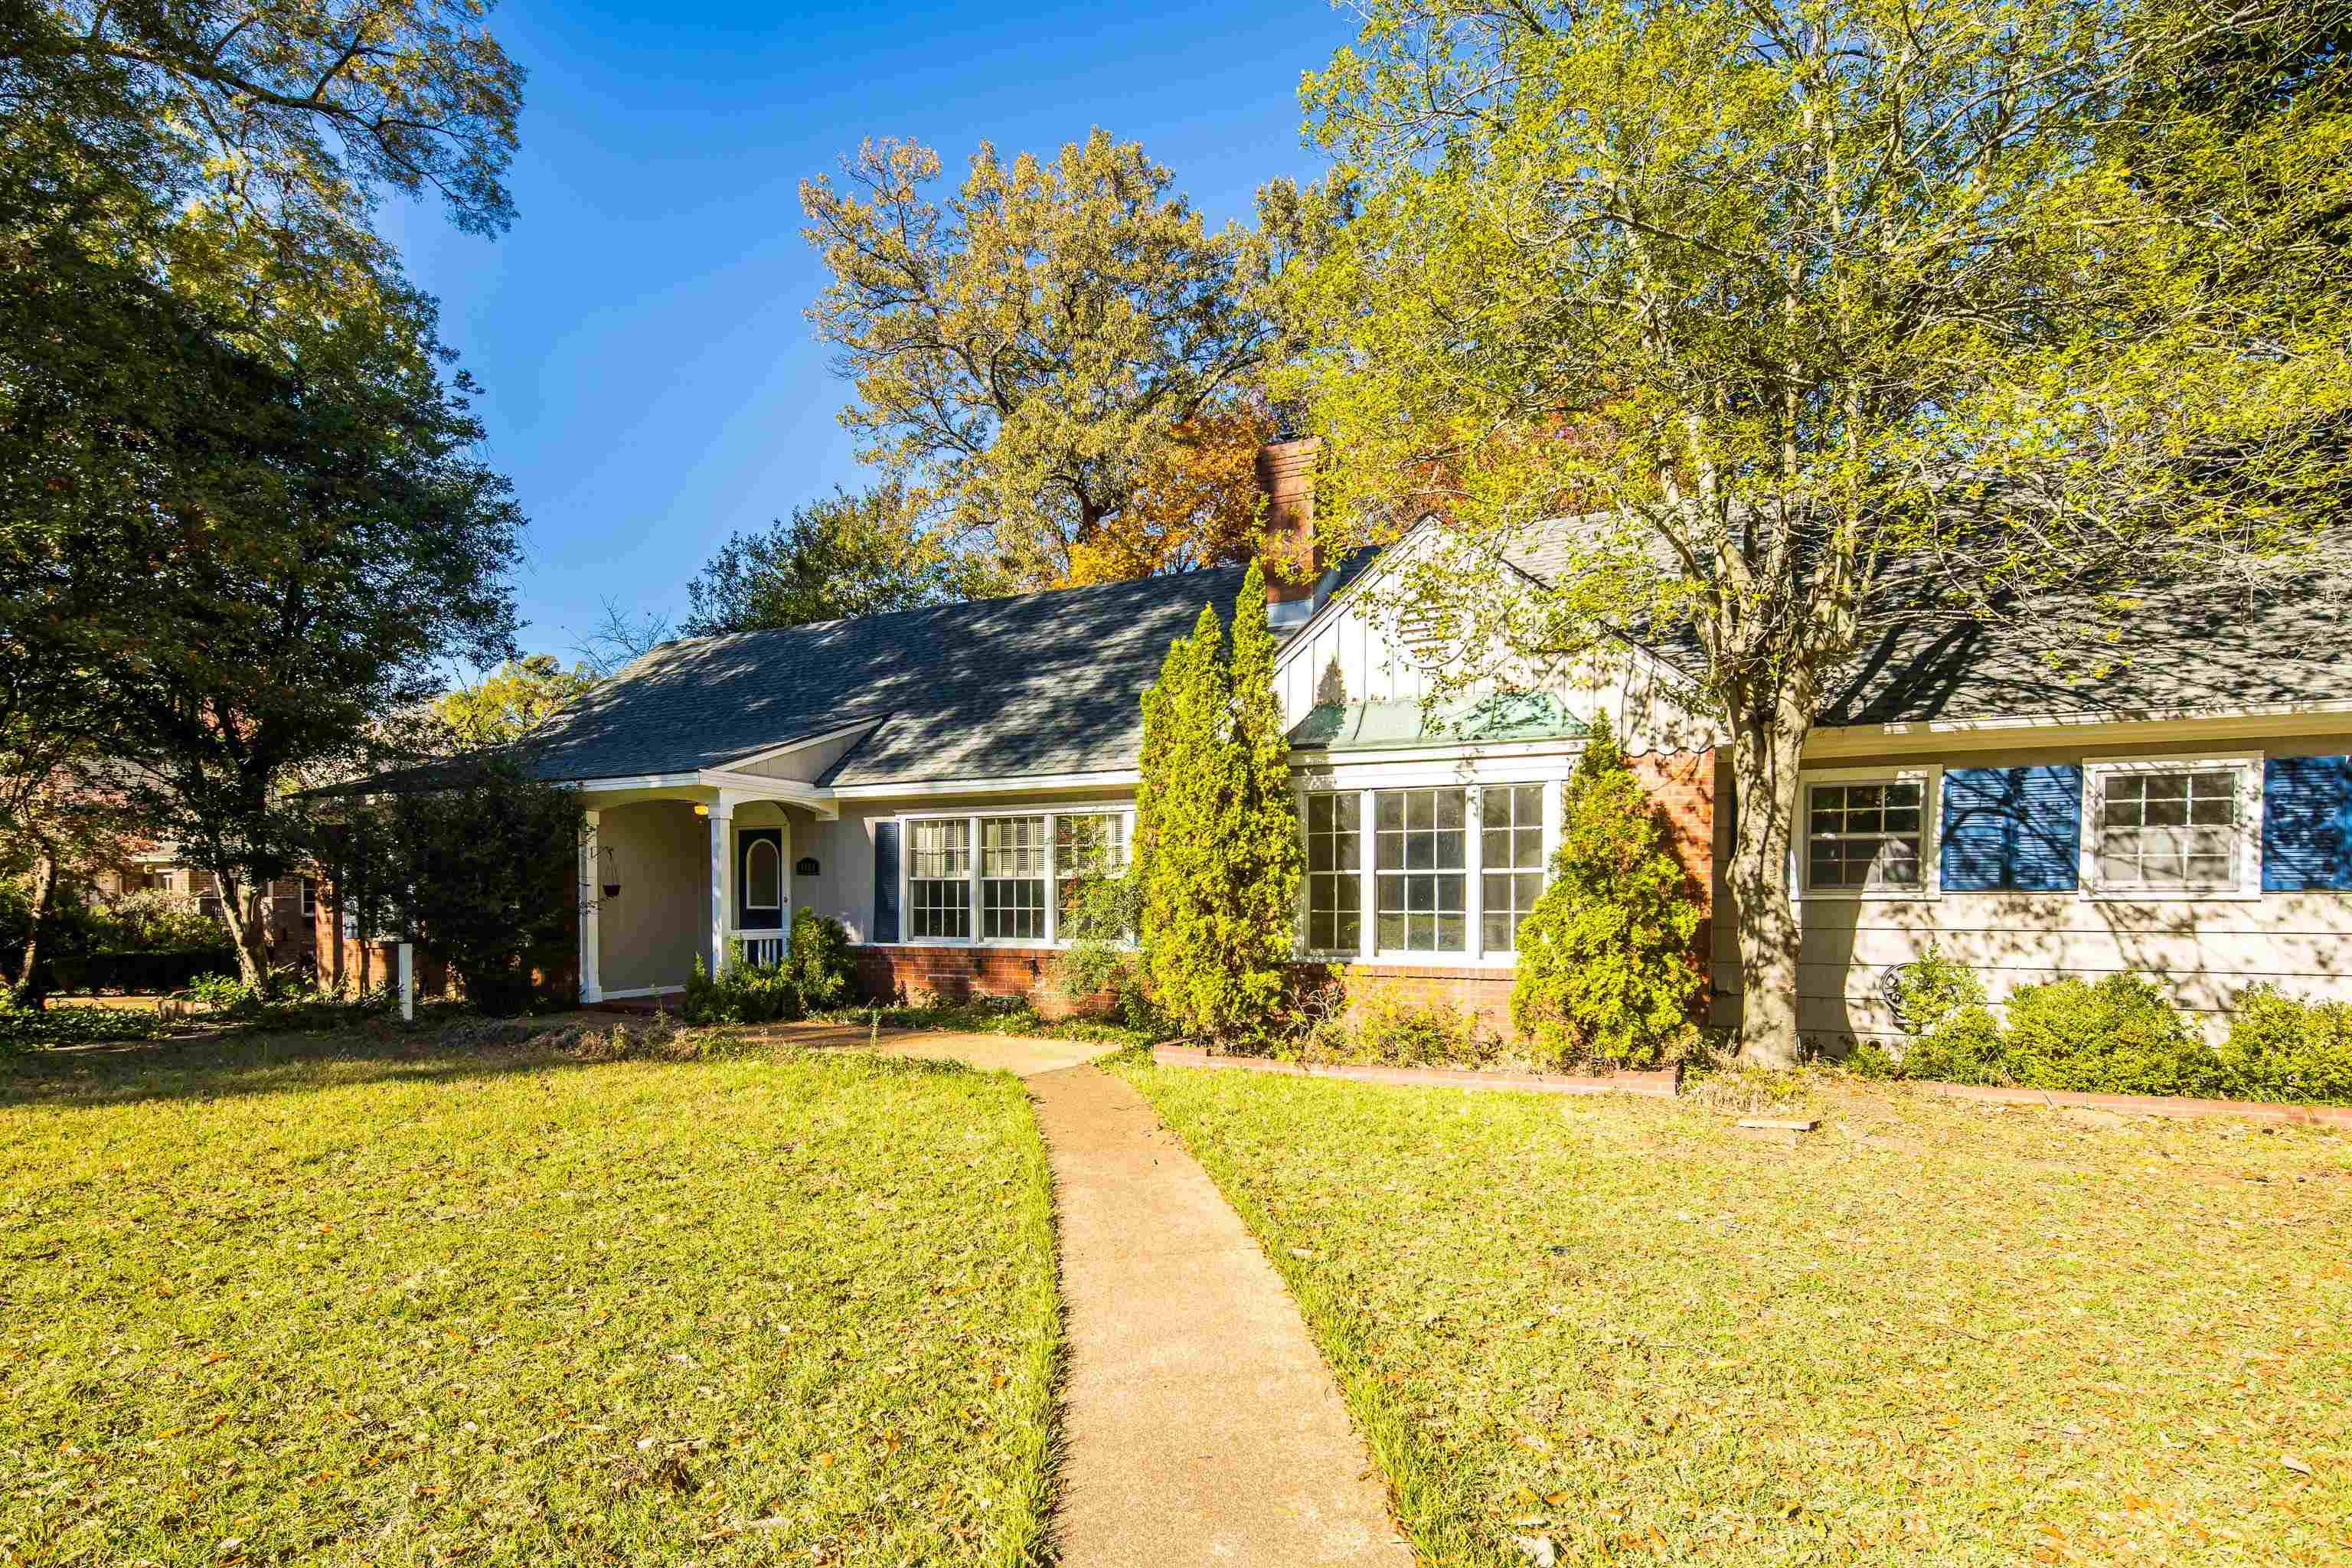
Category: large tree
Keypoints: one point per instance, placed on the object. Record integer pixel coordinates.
(1827, 317)
(843, 555)
(509, 703)
(1020, 349)
(239, 509)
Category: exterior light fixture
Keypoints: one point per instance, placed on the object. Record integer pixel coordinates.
(700, 809)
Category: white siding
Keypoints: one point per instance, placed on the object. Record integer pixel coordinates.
(651, 933)
(2203, 950)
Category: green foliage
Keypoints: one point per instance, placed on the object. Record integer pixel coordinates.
(1607, 970)
(482, 866)
(1022, 352)
(25, 1028)
(1952, 1037)
(1217, 843)
(817, 963)
(843, 555)
(224, 993)
(740, 994)
(2281, 1048)
(1381, 1030)
(1802, 303)
(1100, 915)
(2119, 1036)
(512, 698)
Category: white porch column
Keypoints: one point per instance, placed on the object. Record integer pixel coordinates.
(722, 878)
(592, 895)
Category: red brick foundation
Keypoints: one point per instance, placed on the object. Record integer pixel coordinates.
(959, 973)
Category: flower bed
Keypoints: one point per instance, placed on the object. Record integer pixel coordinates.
(1662, 1083)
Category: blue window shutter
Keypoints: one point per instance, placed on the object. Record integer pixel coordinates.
(1976, 830)
(2048, 854)
(2012, 830)
(2307, 825)
(886, 881)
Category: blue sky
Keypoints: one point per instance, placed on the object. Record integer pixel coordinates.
(650, 383)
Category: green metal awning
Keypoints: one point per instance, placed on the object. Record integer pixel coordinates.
(1479, 720)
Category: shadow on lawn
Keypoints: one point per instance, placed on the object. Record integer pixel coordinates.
(219, 1067)
(225, 1066)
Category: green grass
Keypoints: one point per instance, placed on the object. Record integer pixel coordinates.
(1991, 1335)
(346, 1302)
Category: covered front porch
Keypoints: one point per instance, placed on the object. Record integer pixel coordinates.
(686, 868)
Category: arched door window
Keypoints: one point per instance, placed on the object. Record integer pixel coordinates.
(763, 877)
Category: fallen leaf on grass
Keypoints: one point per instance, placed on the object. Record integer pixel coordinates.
(2297, 1465)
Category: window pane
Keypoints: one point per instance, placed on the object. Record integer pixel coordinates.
(1334, 890)
(2168, 828)
(762, 874)
(1864, 836)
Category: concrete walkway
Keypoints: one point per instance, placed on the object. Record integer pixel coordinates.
(1202, 1424)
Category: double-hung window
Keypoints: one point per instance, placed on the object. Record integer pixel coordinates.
(938, 882)
(1510, 861)
(1335, 875)
(1088, 847)
(1012, 878)
(1420, 849)
(2174, 826)
(1869, 835)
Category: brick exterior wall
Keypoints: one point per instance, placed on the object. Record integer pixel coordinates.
(958, 973)
(1683, 784)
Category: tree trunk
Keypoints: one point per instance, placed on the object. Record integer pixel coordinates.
(1766, 744)
(45, 885)
(245, 927)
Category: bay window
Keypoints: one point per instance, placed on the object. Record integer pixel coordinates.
(1335, 878)
(1419, 855)
(1510, 861)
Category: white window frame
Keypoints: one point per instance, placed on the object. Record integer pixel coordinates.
(1052, 815)
(1550, 767)
(2096, 771)
(1545, 811)
(1471, 802)
(1929, 776)
(1299, 942)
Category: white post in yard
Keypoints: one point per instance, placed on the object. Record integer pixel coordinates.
(408, 983)
(722, 881)
(591, 894)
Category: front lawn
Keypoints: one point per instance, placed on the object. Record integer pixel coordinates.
(1962, 1335)
(270, 1300)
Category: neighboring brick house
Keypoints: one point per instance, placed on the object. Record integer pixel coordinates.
(927, 776)
(289, 906)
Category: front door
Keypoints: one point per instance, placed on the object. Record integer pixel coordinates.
(759, 879)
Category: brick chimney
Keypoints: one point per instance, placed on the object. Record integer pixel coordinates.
(1293, 557)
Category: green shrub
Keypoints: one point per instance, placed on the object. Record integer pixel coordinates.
(1949, 1033)
(2118, 1036)
(225, 993)
(817, 962)
(2284, 1049)
(1100, 915)
(1384, 1030)
(741, 994)
(23, 1029)
(1608, 970)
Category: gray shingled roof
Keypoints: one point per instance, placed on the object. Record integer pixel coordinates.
(2283, 641)
(1038, 683)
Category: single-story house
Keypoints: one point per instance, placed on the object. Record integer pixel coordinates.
(2181, 805)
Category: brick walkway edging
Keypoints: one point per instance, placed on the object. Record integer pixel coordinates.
(2150, 1104)
(1664, 1084)
(1660, 1084)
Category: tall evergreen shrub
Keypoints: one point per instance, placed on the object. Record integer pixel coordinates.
(1217, 849)
(1608, 970)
